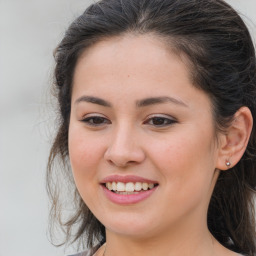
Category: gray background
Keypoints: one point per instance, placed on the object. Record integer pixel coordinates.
(29, 31)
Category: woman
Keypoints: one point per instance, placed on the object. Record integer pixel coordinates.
(157, 103)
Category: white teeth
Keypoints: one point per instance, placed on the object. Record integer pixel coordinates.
(126, 193)
(150, 185)
(114, 186)
(138, 186)
(120, 186)
(129, 186)
(109, 185)
(145, 186)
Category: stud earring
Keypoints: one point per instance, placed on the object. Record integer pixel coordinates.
(228, 164)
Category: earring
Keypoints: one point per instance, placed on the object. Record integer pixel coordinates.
(228, 164)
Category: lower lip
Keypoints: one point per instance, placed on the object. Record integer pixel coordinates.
(128, 199)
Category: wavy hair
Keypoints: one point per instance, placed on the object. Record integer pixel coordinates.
(221, 54)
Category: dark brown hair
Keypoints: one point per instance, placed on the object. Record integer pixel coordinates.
(219, 48)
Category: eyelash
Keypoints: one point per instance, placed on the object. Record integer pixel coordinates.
(165, 121)
(88, 120)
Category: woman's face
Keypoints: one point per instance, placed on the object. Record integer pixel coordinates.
(139, 127)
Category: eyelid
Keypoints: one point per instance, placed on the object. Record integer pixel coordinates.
(93, 115)
(163, 116)
(86, 118)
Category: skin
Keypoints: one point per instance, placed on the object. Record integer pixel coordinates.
(181, 154)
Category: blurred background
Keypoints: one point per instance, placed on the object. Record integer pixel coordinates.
(29, 32)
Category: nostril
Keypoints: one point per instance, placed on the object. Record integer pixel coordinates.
(123, 152)
(124, 158)
(117, 163)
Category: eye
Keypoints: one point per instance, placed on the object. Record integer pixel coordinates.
(96, 120)
(160, 121)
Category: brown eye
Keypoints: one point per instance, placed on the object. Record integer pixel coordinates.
(159, 121)
(96, 120)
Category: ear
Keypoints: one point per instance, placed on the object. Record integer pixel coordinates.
(233, 143)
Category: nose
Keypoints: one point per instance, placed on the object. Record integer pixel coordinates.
(124, 148)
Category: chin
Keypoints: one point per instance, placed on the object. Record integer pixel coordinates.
(131, 227)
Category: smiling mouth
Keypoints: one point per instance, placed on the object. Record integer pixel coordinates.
(129, 187)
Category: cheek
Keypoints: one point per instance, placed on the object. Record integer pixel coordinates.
(85, 153)
(185, 160)
(171, 152)
(186, 170)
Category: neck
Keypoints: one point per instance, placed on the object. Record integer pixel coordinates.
(175, 243)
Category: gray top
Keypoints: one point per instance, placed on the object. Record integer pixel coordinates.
(85, 253)
(90, 253)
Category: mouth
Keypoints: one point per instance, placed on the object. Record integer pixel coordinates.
(128, 188)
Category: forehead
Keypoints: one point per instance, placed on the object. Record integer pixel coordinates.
(131, 52)
(131, 68)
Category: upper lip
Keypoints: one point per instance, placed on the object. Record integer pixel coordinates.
(126, 179)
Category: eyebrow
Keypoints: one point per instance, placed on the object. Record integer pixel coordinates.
(94, 100)
(139, 103)
(159, 100)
